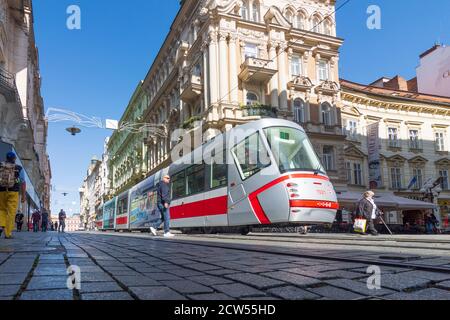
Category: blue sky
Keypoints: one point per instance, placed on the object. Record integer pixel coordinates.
(94, 71)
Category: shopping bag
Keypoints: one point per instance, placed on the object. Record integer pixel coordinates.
(360, 225)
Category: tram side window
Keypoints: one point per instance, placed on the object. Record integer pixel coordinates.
(196, 179)
(179, 185)
(250, 156)
(218, 175)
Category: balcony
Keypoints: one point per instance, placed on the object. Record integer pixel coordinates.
(8, 85)
(257, 110)
(190, 123)
(301, 83)
(257, 70)
(191, 88)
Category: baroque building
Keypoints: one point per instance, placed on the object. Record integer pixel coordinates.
(228, 62)
(413, 130)
(23, 127)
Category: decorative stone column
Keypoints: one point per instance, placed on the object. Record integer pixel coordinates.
(234, 81)
(223, 67)
(205, 73)
(213, 67)
(274, 80)
(282, 57)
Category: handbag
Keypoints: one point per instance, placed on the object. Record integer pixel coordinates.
(360, 225)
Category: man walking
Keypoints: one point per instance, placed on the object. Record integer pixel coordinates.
(62, 221)
(44, 223)
(36, 218)
(12, 182)
(369, 210)
(163, 202)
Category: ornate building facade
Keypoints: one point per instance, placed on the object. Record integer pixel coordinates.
(414, 137)
(22, 122)
(239, 61)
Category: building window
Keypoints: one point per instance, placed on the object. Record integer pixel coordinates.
(252, 99)
(351, 129)
(300, 21)
(289, 16)
(299, 111)
(317, 25)
(327, 115)
(348, 170)
(251, 50)
(296, 66)
(328, 28)
(323, 71)
(396, 178)
(440, 141)
(245, 10)
(414, 139)
(328, 157)
(250, 11)
(393, 137)
(444, 179)
(418, 175)
(357, 174)
(255, 11)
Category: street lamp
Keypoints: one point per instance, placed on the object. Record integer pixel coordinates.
(73, 131)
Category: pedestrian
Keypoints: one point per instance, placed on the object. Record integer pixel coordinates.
(12, 182)
(44, 223)
(56, 226)
(36, 218)
(19, 221)
(369, 210)
(430, 223)
(163, 204)
(62, 220)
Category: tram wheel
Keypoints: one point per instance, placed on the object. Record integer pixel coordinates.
(245, 231)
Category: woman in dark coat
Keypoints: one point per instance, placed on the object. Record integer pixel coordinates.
(369, 211)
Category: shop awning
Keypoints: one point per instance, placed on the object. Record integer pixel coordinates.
(384, 201)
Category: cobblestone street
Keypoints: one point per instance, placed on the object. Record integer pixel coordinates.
(138, 267)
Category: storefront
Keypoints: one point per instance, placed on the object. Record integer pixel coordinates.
(444, 211)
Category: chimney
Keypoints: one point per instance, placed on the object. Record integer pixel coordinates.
(397, 83)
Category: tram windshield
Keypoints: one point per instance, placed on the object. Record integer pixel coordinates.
(292, 150)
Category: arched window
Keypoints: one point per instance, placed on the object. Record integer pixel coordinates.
(327, 114)
(252, 98)
(245, 10)
(289, 16)
(299, 110)
(317, 24)
(301, 21)
(255, 11)
(328, 28)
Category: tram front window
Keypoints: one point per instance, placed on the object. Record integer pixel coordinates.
(292, 150)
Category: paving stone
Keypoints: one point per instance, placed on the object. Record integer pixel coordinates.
(293, 293)
(50, 271)
(426, 294)
(201, 266)
(345, 274)
(93, 287)
(47, 282)
(187, 286)
(294, 279)
(125, 273)
(255, 280)
(434, 276)
(210, 297)
(95, 277)
(47, 295)
(161, 276)
(209, 280)
(238, 290)
(334, 293)
(156, 293)
(384, 270)
(184, 272)
(221, 272)
(135, 281)
(10, 298)
(444, 285)
(359, 287)
(107, 296)
(310, 273)
(9, 290)
(401, 281)
(16, 278)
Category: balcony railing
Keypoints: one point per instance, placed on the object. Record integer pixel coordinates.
(189, 123)
(258, 70)
(8, 85)
(191, 88)
(257, 110)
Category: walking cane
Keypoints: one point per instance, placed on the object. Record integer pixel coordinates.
(382, 220)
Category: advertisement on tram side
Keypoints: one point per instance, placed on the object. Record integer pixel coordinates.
(143, 209)
(109, 213)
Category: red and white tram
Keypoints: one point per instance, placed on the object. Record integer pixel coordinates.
(261, 173)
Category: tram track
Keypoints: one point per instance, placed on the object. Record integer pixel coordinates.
(292, 252)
